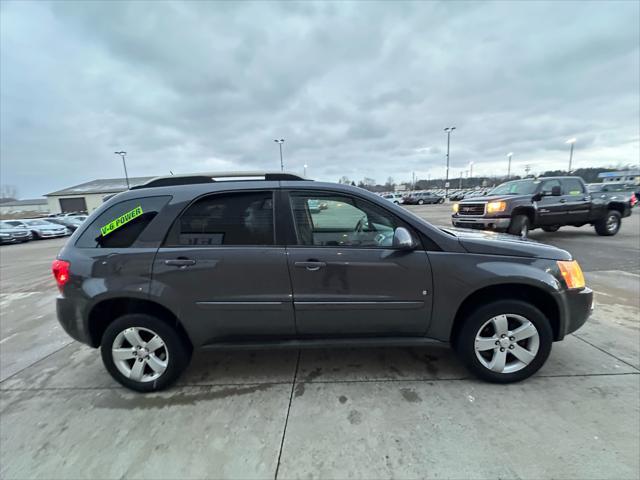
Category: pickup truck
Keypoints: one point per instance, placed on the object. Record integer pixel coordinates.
(549, 203)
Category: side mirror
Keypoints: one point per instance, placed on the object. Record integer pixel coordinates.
(556, 191)
(402, 239)
(537, 197)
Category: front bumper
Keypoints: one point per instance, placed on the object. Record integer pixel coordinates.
(578, 306)
(44, 234)
(496, 224)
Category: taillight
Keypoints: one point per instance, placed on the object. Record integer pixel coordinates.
(60, 269)
(633, 200)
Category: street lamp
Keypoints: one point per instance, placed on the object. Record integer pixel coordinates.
(571, 141)
(280, 142)
(446, 178)
(305, 170)
(124, 164)
(510, 154)
(471, 169)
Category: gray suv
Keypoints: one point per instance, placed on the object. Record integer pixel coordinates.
(242, 261)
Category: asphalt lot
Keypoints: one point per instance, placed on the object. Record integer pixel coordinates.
(347, 413)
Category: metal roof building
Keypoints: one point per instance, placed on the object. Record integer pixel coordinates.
(27, 206)
(627, 176)
(88, 196)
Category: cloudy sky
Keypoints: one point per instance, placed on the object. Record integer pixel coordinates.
(356, 89)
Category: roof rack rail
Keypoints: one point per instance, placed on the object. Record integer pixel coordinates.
(195, 178)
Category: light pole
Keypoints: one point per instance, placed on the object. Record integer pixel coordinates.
(510, 154)
(571, 141)
(446, 178)
(305, 170)
(471, 169)
(124, 164)
(280, 142)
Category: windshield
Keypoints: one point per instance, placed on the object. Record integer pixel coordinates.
(517, 187)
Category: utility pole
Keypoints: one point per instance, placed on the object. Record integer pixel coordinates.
(305, 170)
(446, 178)
(527, 169)
(460, 186)
(413, 181)
(471, 169)
(124, 164)
(510, 154)
(280, 142)
(571, 141)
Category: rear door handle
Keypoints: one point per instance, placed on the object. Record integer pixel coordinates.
(312, 266)
(180, 262)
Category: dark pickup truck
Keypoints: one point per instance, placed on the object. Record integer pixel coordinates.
(548, 203)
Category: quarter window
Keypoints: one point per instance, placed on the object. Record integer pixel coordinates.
(120, 225)
(228, 219)
(341, 221)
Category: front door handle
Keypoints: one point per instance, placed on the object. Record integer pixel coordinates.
(563, 200)
(180, 262)
(312, 266)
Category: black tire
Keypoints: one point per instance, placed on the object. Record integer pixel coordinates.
(551, 229)
(519, 226)
(177, 350)
(36, 236)
(441, 200)
(609, 225)
(465, 342)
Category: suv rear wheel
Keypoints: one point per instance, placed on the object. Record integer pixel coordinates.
(505, 341)
(143, 353)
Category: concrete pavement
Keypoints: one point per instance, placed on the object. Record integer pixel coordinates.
(344, 413)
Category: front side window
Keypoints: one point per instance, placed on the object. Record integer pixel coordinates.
(547, 186)
(226, 219)
(341, 221)
(572, 187)
(120, 225)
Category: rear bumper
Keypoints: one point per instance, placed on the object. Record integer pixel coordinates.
(71, 320)
(578, 306)
(482, 223)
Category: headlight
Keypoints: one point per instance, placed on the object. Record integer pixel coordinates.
(455, 207)
(572, 274)
(495, 207)
(5, 235)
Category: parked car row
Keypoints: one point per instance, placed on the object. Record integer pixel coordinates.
(23, 230)
(433, 196)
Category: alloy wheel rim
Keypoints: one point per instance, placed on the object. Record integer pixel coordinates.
(612, 223)
(140, 354)
(507, 343)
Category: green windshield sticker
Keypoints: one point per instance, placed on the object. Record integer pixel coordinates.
(121, 220)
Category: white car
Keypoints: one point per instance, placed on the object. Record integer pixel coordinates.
(40, 228)
(393, 197)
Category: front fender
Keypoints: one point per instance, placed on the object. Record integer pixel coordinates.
(458, 276)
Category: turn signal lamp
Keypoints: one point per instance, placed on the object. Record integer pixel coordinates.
(572, 274)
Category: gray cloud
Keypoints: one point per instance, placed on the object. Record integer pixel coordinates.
(355, 88)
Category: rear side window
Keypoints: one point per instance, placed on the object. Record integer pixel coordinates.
(120, 225)
(572, 186)
(226, 219)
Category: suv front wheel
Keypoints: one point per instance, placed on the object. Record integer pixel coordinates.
(505, 341)
(143, 353)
